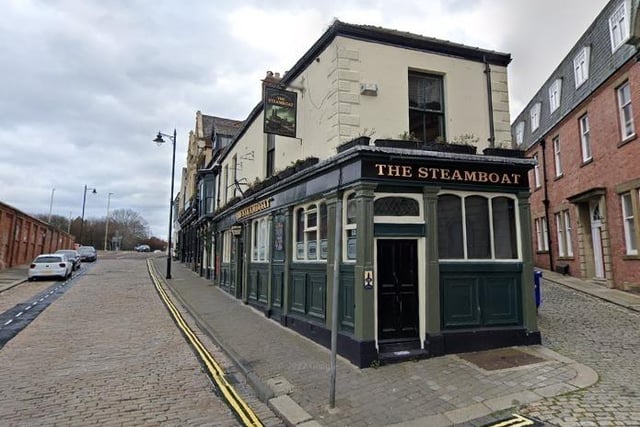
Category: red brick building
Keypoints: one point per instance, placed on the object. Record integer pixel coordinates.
(22, 237)
(582, 128)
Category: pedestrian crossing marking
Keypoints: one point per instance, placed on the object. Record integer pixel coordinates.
(515, 421)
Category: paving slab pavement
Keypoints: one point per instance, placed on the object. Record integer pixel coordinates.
(441, 391)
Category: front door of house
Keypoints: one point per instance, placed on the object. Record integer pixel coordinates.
(596, 238)
(397, 272)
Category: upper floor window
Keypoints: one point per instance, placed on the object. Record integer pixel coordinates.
(585, 141)
(260, 242)
(271, 154)
(426, 106)
(311, 232)
(535, 117)
(221, 141)
(477, 227)
(536, 172)
(520, 134)
(207, 193)
(631, 243)
(581, 66)
(619, 26)
(226, 183)
(554, 95)
(626, 113)
(556, 156)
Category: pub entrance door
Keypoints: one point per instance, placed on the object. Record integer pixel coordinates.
(397, 277)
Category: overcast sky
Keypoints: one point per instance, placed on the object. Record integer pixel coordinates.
(86, 85)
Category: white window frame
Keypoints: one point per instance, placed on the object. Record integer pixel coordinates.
(619, 26)
(557, 158)
(555, 92)
(419, 219)
(520, 133)
(260, 228)
(309, 230)
(347, 228)
(563, 233)
(536, 172)
(567, 232)
(541, 234)
(534, 113)
(226, 246)
(625, 111)
(492, 244)
(628, 218)
(585, 140)
(581, 66)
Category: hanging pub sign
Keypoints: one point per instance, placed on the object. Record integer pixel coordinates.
(280, 111)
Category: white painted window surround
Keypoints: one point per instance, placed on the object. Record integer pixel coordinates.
(581, 66)
(555, 92)
(619, 25)
(535, 116)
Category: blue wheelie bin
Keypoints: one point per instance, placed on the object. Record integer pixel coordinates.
(537, 281)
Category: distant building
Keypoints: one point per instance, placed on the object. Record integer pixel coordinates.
(581, 127)
(361, 168)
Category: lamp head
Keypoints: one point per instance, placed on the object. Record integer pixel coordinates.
(159, 140)
(94, 191)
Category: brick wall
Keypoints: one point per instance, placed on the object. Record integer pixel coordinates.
(23, 237)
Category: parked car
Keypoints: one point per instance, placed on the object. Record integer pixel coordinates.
(87, 253)
(50, 265)
(73, 255)
(143, 248)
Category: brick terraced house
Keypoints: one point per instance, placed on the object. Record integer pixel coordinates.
(581, 127)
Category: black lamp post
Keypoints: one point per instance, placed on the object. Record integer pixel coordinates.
(159, 140)
(84, 201)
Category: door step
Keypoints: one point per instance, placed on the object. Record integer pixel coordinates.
(401, 350)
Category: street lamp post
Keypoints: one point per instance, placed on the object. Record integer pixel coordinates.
(53, 190)
(84, 202)
(159, 140)
(106, 228)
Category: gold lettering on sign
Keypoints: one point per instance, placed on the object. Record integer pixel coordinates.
(256, 207)
(445, 174)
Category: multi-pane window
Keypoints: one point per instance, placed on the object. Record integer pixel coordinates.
(311, 232)
(477, 227)
(350, 228)
(556, 156)
(207, 192)
(520, 134)
(541, 234)
(563, 233)
(619, 26)
(628, 219)
(260, 241)
(554, 95)
(626, 114)
(585, 142)
(426, 106)
(535, 116)
(581, 66)
(536, 172)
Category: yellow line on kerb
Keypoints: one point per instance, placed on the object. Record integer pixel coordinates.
(239, 406)
(516, 421)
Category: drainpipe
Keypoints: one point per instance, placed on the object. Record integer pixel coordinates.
(492, 131)
(546, 202)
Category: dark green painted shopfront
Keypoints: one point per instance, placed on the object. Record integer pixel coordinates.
(434, 252)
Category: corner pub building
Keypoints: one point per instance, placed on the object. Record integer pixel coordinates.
(343, 174)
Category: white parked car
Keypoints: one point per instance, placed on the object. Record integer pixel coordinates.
(50, 265)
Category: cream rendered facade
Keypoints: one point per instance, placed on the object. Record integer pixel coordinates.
(331, 109)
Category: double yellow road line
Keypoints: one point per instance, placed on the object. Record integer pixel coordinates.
(240, 408)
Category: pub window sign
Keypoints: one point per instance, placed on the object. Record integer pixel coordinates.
(280, 108)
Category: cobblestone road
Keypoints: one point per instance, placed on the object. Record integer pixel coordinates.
(107, 353)
(606, 338)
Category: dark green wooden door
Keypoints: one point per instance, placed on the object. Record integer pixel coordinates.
(397, 289)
